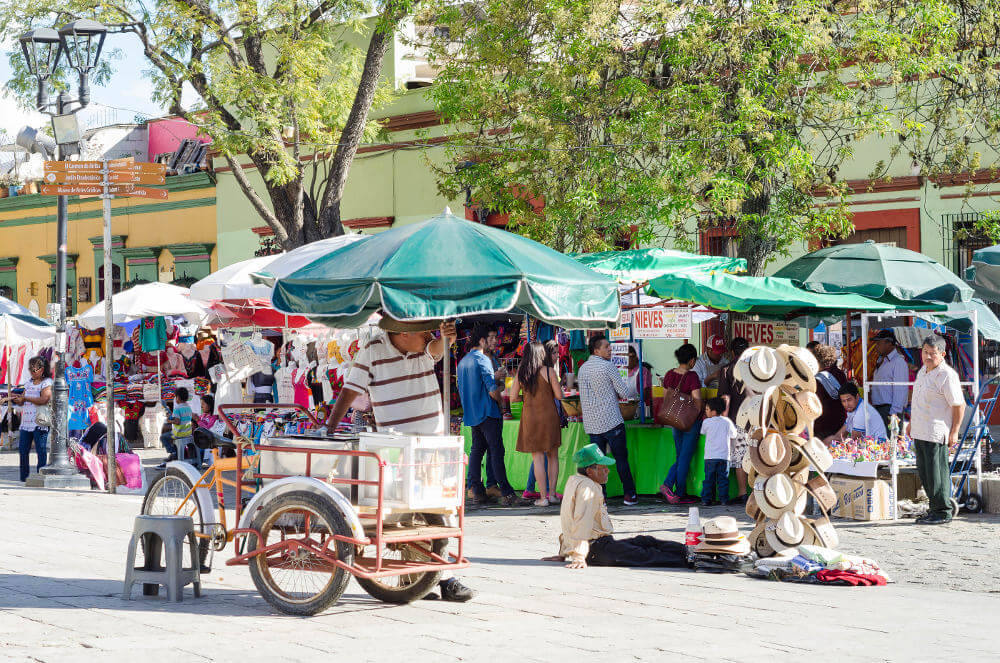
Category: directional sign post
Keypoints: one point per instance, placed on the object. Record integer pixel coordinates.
(107, 179)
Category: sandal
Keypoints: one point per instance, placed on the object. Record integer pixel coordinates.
(555, 499)
(541, 502)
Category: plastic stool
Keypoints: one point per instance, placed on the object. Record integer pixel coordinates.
(167, 533)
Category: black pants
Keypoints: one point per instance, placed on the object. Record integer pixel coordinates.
(883, 411)
(636, 551)
(615, 438)
(488, 436)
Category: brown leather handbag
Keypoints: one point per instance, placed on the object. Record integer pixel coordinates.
(677, 410)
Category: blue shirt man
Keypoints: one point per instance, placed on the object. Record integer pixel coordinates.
(480, 394)
(476, 381)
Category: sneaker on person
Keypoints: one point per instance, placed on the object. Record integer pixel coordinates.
(494, 492)
(453, 590)
(631, 499)
(531, 495)
(686, 499)
(934, 519)
(669, 495)
(508, 500)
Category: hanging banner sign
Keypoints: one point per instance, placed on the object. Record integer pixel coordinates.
(624, 330)
(767, 333)
(669, 322)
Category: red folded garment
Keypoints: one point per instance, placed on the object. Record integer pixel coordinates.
(849, 578)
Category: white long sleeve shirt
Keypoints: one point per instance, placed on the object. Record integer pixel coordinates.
(892, 369)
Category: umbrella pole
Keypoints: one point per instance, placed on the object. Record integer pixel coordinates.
(446, 387)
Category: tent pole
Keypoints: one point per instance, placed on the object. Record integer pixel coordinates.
(446, 387)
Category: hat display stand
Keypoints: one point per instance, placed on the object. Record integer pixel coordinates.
(781, 458)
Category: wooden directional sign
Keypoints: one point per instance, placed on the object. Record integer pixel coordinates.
(140, 168)
(73, 166)
(63, 177)
(137, 191)
(119, 177)
(72, 190)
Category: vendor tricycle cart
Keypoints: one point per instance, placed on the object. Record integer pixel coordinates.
(380, 507)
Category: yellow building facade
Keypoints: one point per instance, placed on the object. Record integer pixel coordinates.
(171, 240)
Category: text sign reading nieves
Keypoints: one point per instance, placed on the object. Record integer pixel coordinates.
(670, 322)
(767, 333)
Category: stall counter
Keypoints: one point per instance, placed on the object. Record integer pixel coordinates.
(650, 453)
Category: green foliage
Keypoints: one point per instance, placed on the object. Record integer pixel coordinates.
(275, 80)
(669, 118)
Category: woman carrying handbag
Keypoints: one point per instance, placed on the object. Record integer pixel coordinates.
(36, 415)
(681, 410)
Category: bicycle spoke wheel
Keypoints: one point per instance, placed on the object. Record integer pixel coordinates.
(293, 577)
(412, 586)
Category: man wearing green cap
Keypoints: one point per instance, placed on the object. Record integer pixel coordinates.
(586, 527)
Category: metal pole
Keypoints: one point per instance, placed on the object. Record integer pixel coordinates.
(446, 387)
(60, 465)
(109, 374)
(864, 365)
(976, 415)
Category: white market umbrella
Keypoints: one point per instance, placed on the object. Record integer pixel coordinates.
(233, 282)
(145, 301)
(286, 263)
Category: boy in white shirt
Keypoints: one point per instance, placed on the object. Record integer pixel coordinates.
(720, 435)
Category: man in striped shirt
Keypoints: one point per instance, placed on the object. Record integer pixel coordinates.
(396, 369)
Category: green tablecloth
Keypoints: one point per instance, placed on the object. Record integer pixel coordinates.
(650, 455)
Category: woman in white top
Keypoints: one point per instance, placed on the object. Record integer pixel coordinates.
(37, 393)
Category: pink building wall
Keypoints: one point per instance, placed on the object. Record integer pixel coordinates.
(165, 135)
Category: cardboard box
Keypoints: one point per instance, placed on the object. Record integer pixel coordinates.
(862, 499)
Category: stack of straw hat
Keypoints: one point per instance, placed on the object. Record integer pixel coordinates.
(785, 461)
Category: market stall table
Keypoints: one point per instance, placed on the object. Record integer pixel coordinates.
(650, 453)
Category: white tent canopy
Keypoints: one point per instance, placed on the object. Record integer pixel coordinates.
(144, 301)
(286, 263)
(233, 282)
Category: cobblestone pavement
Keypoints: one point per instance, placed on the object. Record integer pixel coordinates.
(62, 561)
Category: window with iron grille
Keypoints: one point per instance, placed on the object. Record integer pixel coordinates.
(960, 242)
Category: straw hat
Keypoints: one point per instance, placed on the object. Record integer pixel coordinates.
(748, 416)
(774, 495)
(722, 535)
(817, 453)
(799, 462)
(794, 412)
(786, 533)
(760, 368)
(769, 453)
(822, 532)
(821, 490)
(753, 511)
(749, 469)
(801, 367)
(758, 541)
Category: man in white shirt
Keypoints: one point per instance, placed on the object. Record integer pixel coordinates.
(891, 367)
(857, 412)
(709, 366)
(938, 409)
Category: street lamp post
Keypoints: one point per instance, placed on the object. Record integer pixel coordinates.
(81, 42)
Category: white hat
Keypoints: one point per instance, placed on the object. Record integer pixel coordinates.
(748, 416)
(722, 535)
(801, 367)
(775, 494)
(760, 368)
(794, 412)
(769, 452)
(822, 532)
(786, 533)
(817, 453)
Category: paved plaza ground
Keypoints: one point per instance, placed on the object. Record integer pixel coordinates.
(62, 558)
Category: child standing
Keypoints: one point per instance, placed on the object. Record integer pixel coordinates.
(181, 419)
(720, 436)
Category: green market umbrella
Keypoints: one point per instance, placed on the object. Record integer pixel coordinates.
(984, 273)
(878, 271)
(958, 316)
(762, 295)
(447, 267)
(640, 265)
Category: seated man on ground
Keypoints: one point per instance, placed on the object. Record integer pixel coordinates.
(586, 536)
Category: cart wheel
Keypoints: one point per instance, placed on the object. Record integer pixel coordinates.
(412, 587)
(954, 507)
(293, 579)
(165, 497)
(973, 503)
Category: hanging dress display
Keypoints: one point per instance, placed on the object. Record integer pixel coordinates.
(80, 395)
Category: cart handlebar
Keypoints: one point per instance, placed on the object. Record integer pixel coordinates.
(261, 406)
